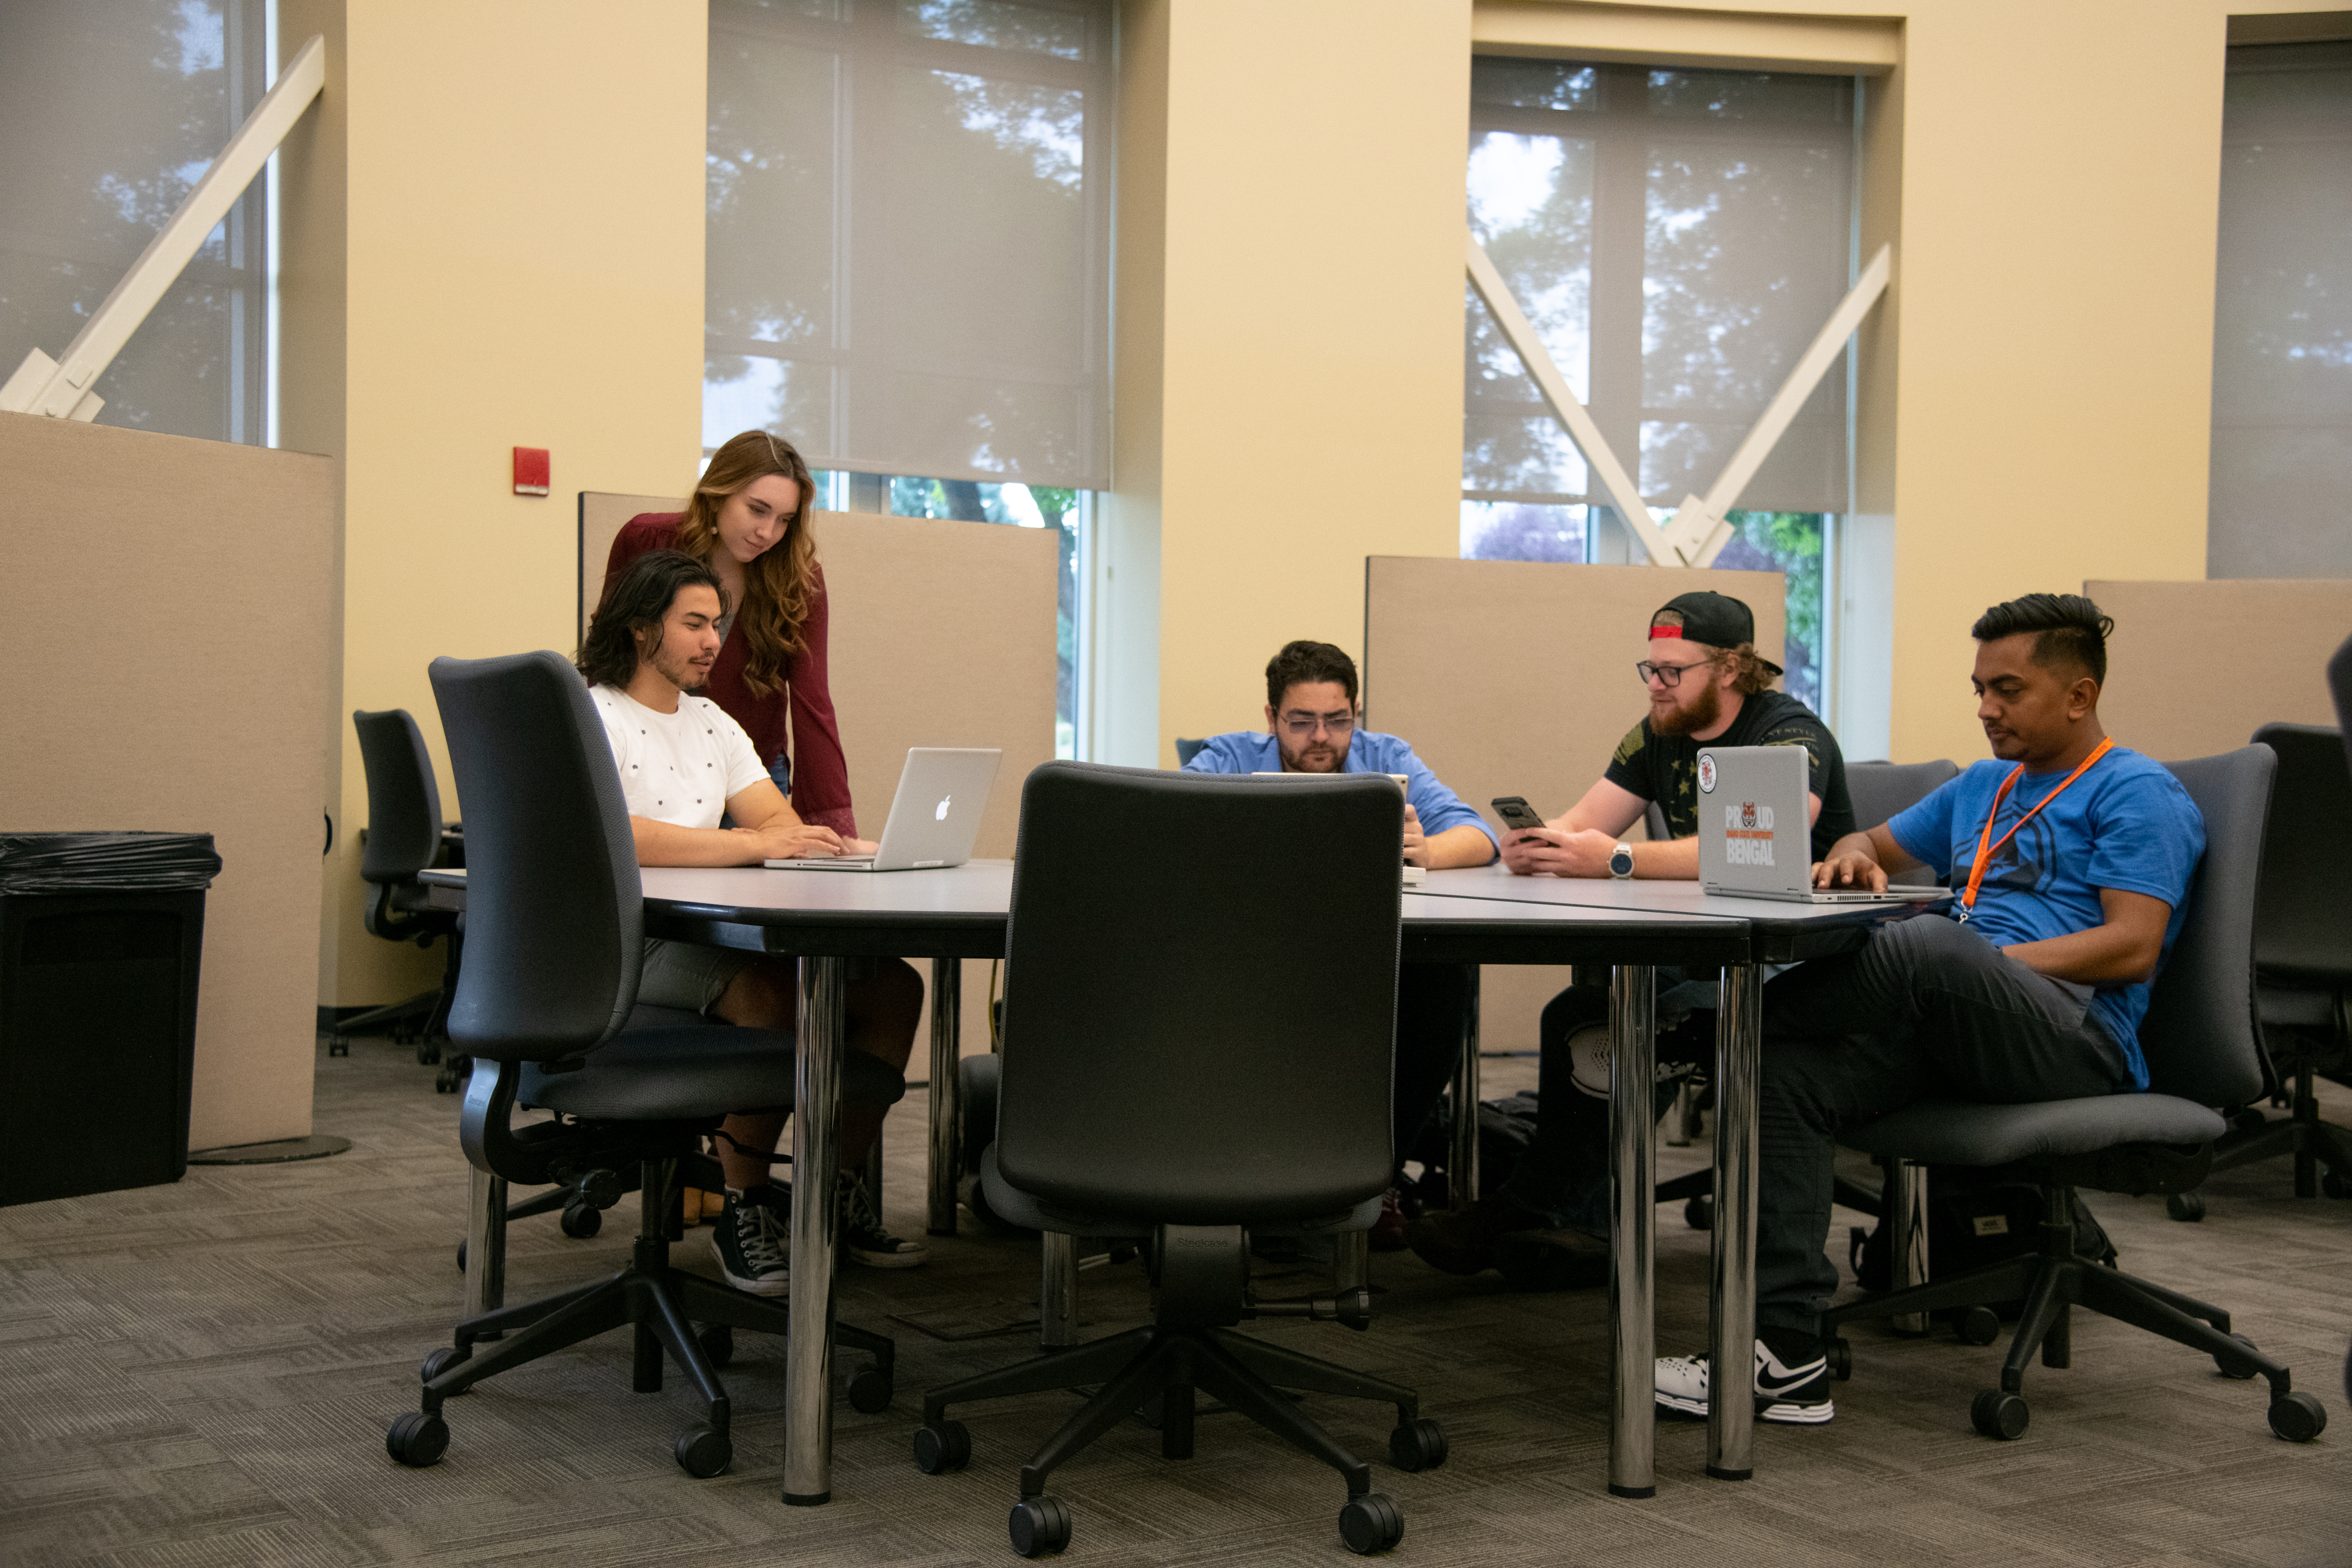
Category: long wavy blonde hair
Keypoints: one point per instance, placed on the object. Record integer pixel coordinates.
(780, 585)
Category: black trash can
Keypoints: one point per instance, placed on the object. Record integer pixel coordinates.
(100, 937)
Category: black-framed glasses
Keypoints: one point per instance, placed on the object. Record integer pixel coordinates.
(1302, 725)
(1667, 675)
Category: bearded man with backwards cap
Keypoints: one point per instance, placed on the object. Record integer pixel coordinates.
(1707, 685)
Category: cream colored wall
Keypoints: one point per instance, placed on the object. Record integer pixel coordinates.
(522, 215)
(1309, 274)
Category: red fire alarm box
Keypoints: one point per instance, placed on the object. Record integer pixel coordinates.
(531, 470)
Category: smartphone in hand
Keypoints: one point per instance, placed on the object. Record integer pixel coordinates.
(1516, 813)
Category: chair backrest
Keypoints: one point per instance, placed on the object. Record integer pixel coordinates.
(1881, 791)
(404, 802)
(1654, 820)
(2200, 1036)
(2303, 919)
(554, 913)
(1200, 993)
(2339, 687)
(1188, 749)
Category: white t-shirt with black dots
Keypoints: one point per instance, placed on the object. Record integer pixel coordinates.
(677, 768)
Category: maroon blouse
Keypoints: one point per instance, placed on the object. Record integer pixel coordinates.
(805, 707)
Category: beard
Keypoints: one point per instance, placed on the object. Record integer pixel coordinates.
(679, 671)
(1690, 718)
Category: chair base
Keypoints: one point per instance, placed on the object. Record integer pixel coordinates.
(664, 1305)
(1697, 1189)
(1157, 1374)
(2300, 1135)
(2051, 1282)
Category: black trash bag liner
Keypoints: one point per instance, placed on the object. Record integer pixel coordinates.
(106, 863)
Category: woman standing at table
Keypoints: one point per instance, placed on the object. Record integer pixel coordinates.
(749, 520)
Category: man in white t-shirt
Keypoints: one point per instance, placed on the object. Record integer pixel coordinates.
(688, 770)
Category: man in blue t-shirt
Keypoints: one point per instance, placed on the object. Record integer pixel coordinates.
(1310, 728)
(2070, 859)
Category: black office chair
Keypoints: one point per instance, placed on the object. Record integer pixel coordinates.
(2303, 963)
(1197, 1044)
(556, 920)
(1188, 749)
(1878, 792)
(2199, 1038)
(404, 837)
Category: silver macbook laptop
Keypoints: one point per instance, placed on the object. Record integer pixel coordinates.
(1756, 837)
(934, 818)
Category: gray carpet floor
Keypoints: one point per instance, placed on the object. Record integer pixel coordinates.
(200, 1375)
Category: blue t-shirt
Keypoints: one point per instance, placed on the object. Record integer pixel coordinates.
(1368, 751)
(2127, 824)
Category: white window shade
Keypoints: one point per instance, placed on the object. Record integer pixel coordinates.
(908, 268)
(2282, 462)
(1678, 237)
(110, 111)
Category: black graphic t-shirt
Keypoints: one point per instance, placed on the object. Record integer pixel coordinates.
(1664, 768)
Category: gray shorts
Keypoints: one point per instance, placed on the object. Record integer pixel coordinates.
(689, 976)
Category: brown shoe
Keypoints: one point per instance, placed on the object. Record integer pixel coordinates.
(1552, 1259)
(1463, 1242)
(1388, 1231)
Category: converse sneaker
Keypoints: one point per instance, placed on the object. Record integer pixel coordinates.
(863, 1237)
(1793, 1393)
(751, 1237)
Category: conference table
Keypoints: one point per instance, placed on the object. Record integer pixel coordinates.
(1467, 917)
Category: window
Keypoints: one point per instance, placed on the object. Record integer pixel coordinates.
(2282, 317)
(1678, 237)
(908, 264)
(111, 111)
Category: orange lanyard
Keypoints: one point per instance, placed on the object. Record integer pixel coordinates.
(1986, 848)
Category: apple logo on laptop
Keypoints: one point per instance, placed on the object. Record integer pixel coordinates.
(941, 814)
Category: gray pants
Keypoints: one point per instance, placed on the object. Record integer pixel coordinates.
(1927, 1008)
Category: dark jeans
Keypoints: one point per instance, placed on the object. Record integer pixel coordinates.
(1564, 1173)
(1927, 1008)
(1431, 1002)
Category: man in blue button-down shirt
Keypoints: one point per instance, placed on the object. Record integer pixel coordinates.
(1311, 712)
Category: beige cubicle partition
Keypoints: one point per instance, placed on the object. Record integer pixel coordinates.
(171, 601)
(1516, 678)
(943, 635)
(2195, 668)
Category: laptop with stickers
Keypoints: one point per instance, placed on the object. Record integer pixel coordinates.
(1756, 833)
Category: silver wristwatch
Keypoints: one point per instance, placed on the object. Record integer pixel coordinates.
(1620, 862)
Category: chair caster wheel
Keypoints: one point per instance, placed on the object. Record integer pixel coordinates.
(1417, 1446)
(428, 1052)
(2185, 1205)
(446, 1082)
(1999, 1415)
(582, 1221)
(704, 1452)
(1977, 1326)
(2298, 1418)
(418, 1439)
(2334, 1183)
(2231, 1367)
(437, 1362)
(870, 1391)
(718, 1343)
(1371, 1523)
(1039, 1525)
(338, 1046)
(1699, 1213)
(942, 1447)
(461, 1257)
(1841, 1359)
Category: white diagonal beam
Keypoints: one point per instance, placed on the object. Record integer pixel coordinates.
(1698, 529)
(1520, 333)
(62, 388)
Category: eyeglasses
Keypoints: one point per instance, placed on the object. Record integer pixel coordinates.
(1667, 675)
(1302, 725)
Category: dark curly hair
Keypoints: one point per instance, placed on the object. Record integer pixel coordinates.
(638, 602)
(2069, 631)
(1307, 663)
